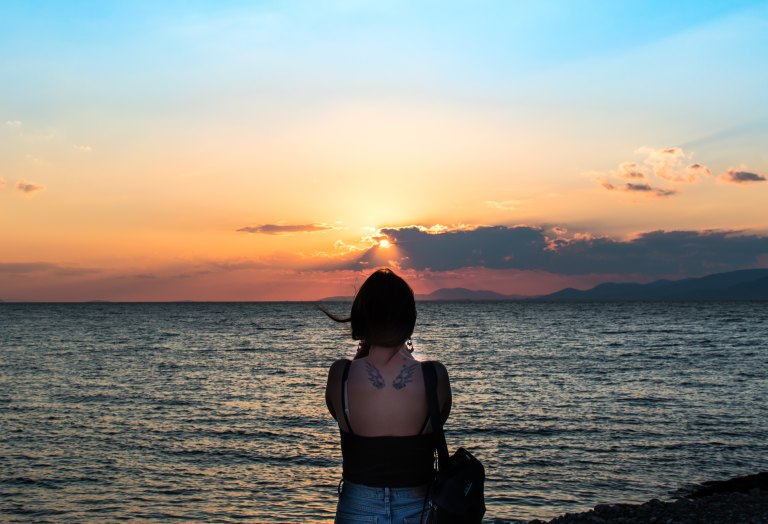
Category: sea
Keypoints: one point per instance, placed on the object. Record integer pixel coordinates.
(215, 412)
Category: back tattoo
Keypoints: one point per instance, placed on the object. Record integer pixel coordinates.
(374, 375)
(401, 380)
(405, 376)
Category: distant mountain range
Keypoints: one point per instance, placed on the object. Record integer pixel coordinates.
(747, 284)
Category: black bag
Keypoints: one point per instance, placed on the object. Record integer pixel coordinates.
(456, 495)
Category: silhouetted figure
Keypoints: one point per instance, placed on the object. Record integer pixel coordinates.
(380, 404)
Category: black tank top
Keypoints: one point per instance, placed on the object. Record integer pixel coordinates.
(388, 461)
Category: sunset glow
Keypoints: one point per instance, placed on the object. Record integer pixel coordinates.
(281, 151)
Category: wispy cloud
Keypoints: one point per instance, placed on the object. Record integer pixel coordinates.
(2, 182)
(631, 170)
(639, 188)
(28, 187)
(507, 205)
(344, 247)
(755, 127)
(734, 176)
(698, 170)
(644, 188)
(236, 265)
(36, 161)
(25, 267)
(13, 124)
(82, 148)
(285, 229)
(668, 163)
(657, 174)
(44, 267)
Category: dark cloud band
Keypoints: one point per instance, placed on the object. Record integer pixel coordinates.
(531, 248)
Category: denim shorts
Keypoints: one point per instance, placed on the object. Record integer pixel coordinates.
(359, 503)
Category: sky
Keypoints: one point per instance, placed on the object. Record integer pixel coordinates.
(224, 150)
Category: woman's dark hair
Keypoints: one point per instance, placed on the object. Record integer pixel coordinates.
(383, 312)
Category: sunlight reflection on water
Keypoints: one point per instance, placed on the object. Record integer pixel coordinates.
(216, 411)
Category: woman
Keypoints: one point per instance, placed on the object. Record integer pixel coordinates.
(380, 404)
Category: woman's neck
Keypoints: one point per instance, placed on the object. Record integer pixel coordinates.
(383, 354)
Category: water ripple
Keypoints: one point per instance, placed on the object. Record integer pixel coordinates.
(215, 412)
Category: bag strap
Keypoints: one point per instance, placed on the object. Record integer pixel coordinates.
(430, 383)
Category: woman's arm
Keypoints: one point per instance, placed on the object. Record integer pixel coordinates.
(333, 386)
(444, 395)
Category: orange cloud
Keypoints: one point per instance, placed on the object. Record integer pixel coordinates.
(698, 170)
(631, 170)
(29, 187)
(279, 229)
(666, 165)
(508, 205)
(340, 245)
(26, 268)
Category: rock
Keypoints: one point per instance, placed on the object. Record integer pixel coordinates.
(746, 503)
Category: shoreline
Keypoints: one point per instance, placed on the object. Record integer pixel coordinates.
(739, 499)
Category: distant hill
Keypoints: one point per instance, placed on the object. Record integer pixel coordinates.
(446, 294)
(747, 284)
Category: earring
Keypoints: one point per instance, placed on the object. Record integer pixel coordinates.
(409, 345)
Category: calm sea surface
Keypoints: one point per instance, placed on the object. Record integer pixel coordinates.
(215, 412)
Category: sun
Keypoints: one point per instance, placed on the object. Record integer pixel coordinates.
(384, 243)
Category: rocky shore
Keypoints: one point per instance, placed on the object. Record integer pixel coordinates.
(741, 500)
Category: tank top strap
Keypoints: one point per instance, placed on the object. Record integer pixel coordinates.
(345, 397)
